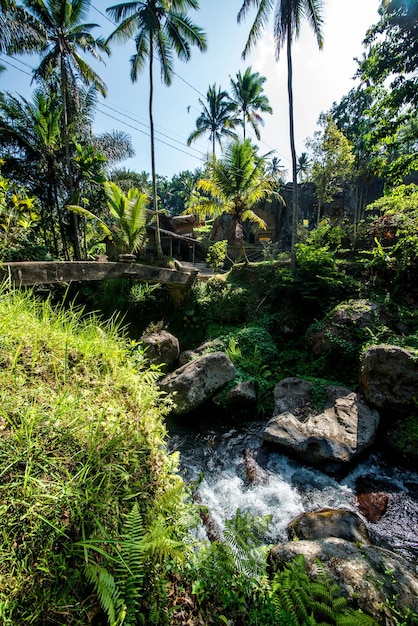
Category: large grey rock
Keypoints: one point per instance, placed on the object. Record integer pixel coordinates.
(242, 397)
(325, 523)
(345, 429)
(368, 575)
(198, 380)
(214, 345)
(348, 324)
(389, 376)
(162, 348)
(292, 395)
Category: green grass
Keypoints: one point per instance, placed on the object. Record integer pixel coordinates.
(82, 441)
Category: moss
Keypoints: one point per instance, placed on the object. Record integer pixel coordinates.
(404, 436)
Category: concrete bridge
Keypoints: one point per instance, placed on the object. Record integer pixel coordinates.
(26, 273)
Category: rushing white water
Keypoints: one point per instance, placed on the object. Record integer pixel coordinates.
(214, 455)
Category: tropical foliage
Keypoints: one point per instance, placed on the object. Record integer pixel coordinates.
(62, 65)
(288, 16)
(233, 185)
(218, 118)
(247, 92)
(332, 162)
(159, 28)
(389, 67)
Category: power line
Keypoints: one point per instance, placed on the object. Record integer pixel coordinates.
(186, 82)
(147, 134)
(19, 69)
(115, 110)
(175, 73)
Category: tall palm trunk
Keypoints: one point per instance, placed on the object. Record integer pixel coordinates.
(73, 216)
(293, 151)
(153, 170)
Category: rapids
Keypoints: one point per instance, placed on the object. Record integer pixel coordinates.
(212, 453)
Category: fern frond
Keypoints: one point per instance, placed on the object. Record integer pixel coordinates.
(106, 590)
(158, 544)
(340, 604)
(357, 618)
(130, 568)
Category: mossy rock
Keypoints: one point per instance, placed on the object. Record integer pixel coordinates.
(402, 437)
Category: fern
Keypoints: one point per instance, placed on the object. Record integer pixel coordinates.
(241, 541)
(317, 602)
(130, 567)
(107, 591)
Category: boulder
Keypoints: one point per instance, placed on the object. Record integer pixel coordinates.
(254, 473)
(367, 575)
(346, 428)
(348, 324)
(215, 345)
(292, 395)
(389, 377)
(162, 348)
(372, 505)
(325, 523)
(241, 396)
(197, 381)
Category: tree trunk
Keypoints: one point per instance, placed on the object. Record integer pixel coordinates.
(318, 217)
(153, 171)
(293, 152)
(73, 216)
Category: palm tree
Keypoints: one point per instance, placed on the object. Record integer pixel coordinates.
(247, 92)
(19, 32)
(218, 117)
(276, 170)
(159, 27)
(303, 166)
(115, 146)
(130, 212)
(30, 138)
(234, 185)
(288, 15)
(127, 178)
(67, 36)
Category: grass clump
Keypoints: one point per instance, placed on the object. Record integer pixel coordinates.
(82, 454)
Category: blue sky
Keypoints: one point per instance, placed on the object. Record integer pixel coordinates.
(320, 78)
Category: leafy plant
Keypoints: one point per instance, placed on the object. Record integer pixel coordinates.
(216, 255)
(130, 213)
(301, 601)
(19, 214)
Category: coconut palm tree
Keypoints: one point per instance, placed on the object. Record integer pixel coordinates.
(247, 91)
(160, 28)
(218, 117)
(303, 166)
(66, 37)
(288, 16)
(19, 32)
(234, 185)
(276, 170)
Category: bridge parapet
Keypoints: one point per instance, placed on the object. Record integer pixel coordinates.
(26, 273)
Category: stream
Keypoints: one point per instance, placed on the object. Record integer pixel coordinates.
(214, 450)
